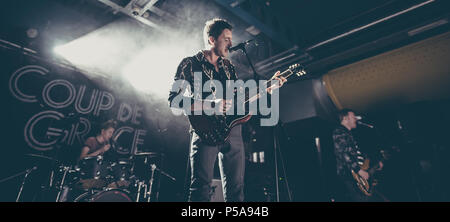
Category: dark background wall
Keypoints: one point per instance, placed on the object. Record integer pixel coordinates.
(419, 149)
(50, 110)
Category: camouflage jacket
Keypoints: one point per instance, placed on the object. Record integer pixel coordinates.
(199, 64)
(348, 155)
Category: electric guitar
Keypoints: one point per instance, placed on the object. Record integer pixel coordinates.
(368, 186)
(215, 129)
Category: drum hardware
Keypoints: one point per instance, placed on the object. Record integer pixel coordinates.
(40, 157)
(147, 187)
(114, 180)
(36, 160)
(122, 173)
(54, 182)
(52, 174)
(27, 173)
(109, 195)
(139, 185)
(153, 167)
(61, 185)
(94, 172)
(164, 173)
(146, 154)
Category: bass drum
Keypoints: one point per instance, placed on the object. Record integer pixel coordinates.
(114, 195)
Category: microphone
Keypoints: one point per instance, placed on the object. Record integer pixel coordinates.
(240, 45)
(359, 118)
(112, 142)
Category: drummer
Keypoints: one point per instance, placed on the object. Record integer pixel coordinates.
(98, 145)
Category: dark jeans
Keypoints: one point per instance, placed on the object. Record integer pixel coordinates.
(231, 157)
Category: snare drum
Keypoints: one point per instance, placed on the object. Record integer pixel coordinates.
(94, 172)
(121, 173)
(121, 170)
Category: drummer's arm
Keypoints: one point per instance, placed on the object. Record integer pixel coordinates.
(85, 151)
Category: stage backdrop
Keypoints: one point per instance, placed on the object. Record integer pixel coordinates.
(49, 109)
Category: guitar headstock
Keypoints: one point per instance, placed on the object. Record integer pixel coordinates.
(297, 69)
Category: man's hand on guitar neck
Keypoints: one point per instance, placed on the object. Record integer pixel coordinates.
(280, 79)
(364, 174)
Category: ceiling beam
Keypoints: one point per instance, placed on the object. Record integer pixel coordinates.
(128, 10)
(233, 6)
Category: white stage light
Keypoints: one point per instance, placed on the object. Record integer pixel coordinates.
(91, 50)
(152, 71)
(148, 62)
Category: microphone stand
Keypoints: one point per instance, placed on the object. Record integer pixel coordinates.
(255, 74)
(277, 151)
(276, 144)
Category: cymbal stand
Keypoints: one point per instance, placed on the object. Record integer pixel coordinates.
(149, 193)
(140, 185)
(61, 185)
(15, 175)
(26, 172)
(154, 168)
(165, 174)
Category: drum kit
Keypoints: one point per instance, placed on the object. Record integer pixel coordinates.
(96, 179)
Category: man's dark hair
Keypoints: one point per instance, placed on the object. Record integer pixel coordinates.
(214, 28)
(343, 113)
(110, 123)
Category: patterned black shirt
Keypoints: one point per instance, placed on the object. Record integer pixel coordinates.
(348, 155)
(199, 63)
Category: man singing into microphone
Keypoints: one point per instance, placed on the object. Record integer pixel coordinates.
(212, 65)
(348, 156)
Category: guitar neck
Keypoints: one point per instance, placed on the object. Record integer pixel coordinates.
(374, 168)
(285, 74)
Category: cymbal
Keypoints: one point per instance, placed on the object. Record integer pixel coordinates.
(40, 156)
(146, 154)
